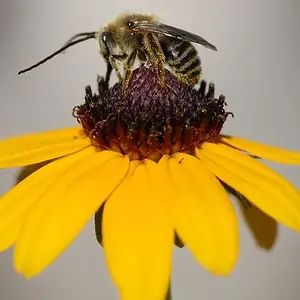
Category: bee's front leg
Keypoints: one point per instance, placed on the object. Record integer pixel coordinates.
(113, 63)
(156, 55)
(108, 73)
(128, 69)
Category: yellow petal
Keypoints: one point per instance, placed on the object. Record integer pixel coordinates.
(61, 213)
(16, 202)
(263, 151)
(34, 148)
(137, 237)
(200, 211)
(262, 186)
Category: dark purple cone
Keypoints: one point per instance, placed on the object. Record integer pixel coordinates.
(149, 120)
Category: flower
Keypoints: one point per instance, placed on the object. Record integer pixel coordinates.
(155, 163)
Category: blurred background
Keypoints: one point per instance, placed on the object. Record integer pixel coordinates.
(256, 67)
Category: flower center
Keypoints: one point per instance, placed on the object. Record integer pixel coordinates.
(149, 120)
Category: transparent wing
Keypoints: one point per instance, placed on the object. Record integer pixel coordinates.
(174, 32)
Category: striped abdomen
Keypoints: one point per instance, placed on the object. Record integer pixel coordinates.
(183, 59)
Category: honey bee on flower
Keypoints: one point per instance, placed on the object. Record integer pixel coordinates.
(132, 37)
(154, 162)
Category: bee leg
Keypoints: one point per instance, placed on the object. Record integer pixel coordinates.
(128, 66)
(115, 66)
(142, 56)
(156, 55)
(108, 73)
(191, 81)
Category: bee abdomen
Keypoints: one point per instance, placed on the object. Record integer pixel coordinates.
(183, 58)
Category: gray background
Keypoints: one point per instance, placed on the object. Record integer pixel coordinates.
(257, 68)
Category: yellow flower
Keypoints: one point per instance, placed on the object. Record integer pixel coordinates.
(155, 161)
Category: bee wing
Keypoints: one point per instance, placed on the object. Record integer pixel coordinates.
(174, 32)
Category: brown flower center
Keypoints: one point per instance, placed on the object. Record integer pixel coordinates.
(150, 121)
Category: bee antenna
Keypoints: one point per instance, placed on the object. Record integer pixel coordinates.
(84, 34)
(73, 41)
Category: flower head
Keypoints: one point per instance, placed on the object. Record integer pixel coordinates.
(151, 121)
(155, 163)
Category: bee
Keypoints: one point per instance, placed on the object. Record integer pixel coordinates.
(143, 37)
